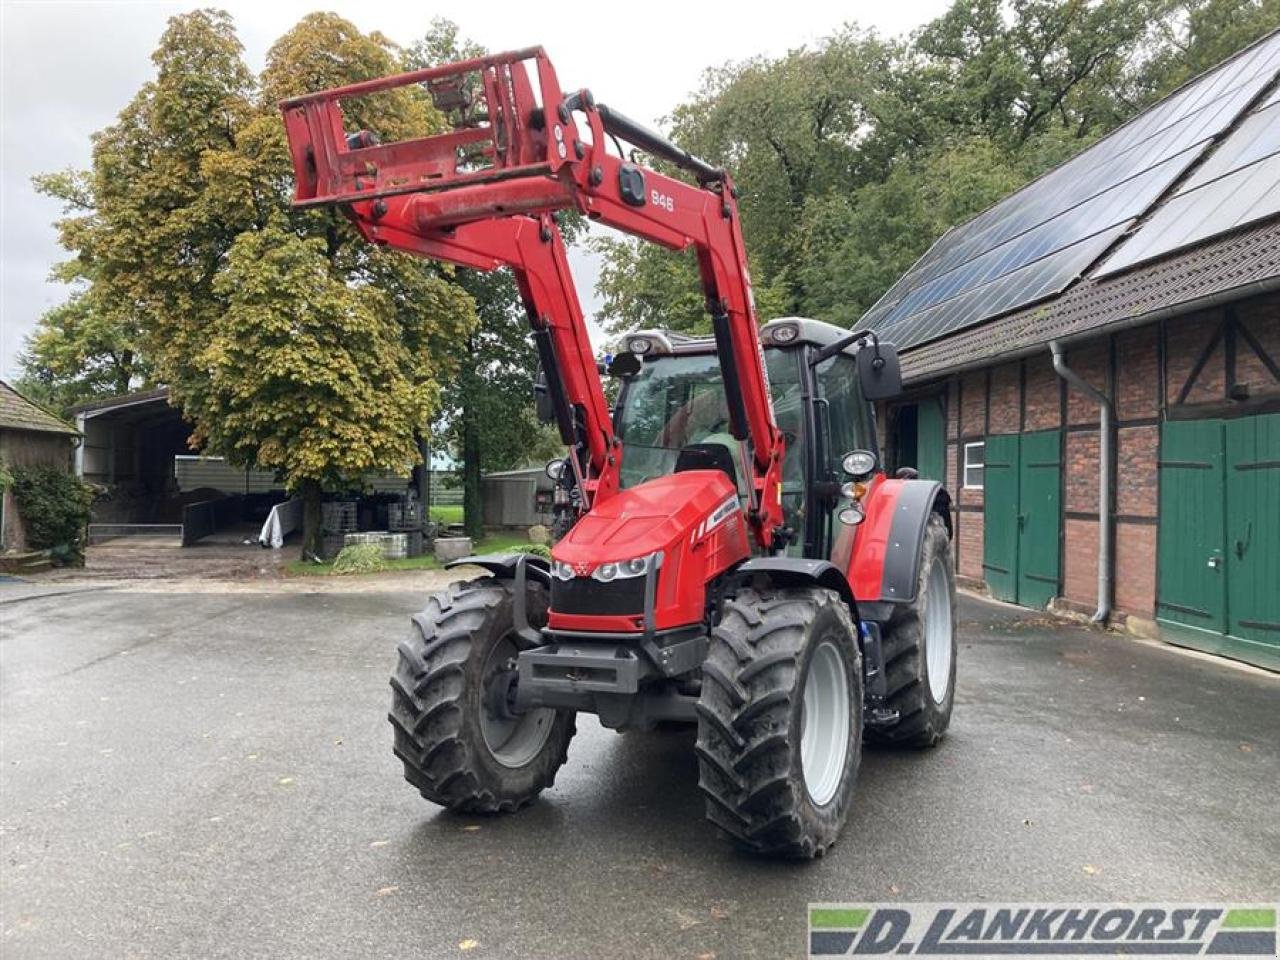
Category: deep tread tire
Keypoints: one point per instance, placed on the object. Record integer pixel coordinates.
(749, 720)
(437, 697)
(921, 720)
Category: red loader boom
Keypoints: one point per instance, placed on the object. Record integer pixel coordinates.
(482, 195)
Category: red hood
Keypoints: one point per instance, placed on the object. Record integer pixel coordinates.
(642, 519)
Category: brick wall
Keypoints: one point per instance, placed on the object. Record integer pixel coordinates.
(1080, 564)
(1006, 399)
(1138, 373)
(1137, 474)
(1135, 569)
(1186, 339)
(1043, 395)
(969, 541)
(1082, 446)
(1028, 395)
(1260, 320)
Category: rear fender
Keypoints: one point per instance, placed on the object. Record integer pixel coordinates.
(885, 562)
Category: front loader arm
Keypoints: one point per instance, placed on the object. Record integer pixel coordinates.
(533, 249)
(481, 193)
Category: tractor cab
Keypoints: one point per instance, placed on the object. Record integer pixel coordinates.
(672, 414)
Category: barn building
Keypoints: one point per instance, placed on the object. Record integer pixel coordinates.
(1093, 368)
(30, 436)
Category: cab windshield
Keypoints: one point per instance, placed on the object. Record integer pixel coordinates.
(678, 400)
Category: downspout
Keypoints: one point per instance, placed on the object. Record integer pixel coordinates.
(1106, 420)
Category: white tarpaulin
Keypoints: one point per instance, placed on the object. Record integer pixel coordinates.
(283, 519)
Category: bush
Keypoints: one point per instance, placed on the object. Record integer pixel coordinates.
(55, 511)
(537, 549)
(360, 558)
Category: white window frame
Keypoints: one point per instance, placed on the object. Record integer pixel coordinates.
(971, 464)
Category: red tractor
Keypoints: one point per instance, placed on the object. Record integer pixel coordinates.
(736, 557)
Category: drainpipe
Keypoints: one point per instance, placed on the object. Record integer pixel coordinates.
(1106, 419)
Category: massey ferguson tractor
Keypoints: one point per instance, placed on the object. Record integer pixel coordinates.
(737, 558)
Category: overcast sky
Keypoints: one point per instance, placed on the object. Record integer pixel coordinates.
(67, 68)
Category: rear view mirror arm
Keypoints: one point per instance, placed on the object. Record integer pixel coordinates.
(831, 349)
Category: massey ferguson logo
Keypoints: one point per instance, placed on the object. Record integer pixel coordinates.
(1043, 930)
(718, 516)
(581, 569)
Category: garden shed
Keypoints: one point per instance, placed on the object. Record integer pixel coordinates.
(30, 436)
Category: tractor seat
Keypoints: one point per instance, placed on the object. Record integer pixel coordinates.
(707, 456)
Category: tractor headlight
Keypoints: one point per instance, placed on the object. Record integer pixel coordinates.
(627, 569)
(561, 571)
(860, 464)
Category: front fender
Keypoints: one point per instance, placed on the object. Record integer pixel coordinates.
(794, 571)
(503, 565)
(885, 561)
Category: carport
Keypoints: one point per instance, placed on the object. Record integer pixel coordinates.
(137, 453)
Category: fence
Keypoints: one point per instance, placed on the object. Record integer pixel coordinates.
(201, 519)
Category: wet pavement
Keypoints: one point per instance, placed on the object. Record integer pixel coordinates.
(210, 775)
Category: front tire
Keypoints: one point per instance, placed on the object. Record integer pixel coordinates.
(920, 651)
(460, 747)
(780, 721)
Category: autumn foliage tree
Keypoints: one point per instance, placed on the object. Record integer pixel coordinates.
(288, 342)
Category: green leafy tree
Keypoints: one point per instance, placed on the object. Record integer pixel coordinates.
(55, 510)
(288, 341)
(88, 345)
(487, 412)
(856, 153)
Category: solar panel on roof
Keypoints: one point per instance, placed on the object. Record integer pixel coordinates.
(1237, 184)
(1036, 242)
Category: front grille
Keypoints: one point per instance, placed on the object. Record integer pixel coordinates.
(585, 595)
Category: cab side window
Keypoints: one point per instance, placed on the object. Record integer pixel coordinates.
(848, 419)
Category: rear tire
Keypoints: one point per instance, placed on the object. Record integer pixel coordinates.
(759, 774)
(456, 749)
(922, 689)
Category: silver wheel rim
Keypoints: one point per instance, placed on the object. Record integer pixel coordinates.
(512, 741)
(937, 634)
(824, 723)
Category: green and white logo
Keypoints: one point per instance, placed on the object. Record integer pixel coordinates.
(972, 930)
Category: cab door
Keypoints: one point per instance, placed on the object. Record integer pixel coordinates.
(843, 419)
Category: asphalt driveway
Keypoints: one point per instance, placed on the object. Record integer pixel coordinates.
(210, 775)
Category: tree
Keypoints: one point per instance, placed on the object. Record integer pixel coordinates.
(1198, 34)
(487, 412)
(289, 342)
(306, 374)
(87, 346)
(352, 375)
(853, 155)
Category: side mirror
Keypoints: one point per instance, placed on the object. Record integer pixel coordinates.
(542, 406)
(879, 371)
(623, 365)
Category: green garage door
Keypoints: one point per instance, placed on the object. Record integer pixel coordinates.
(1219, 550)
(1193, 585)
(931, 441)
(1022, 517)
(1000, 517)
(1038, 517)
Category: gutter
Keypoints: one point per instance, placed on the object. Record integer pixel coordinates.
(1106, 432)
